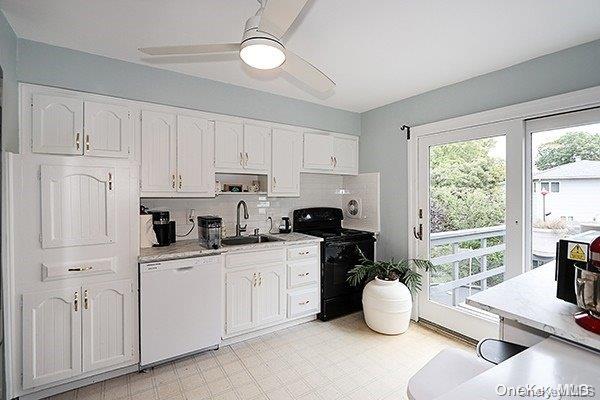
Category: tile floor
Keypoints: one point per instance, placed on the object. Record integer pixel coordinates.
(340, 359)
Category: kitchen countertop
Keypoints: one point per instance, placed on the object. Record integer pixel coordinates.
(530, 299)
(547, 364)
(191, 248)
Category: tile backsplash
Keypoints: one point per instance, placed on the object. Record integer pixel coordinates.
(315, 191)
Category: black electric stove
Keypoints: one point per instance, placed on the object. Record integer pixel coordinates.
(340, 252)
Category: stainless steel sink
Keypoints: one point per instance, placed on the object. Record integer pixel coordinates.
(239, 240)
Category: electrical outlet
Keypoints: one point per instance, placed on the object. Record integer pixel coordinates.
(191, 215)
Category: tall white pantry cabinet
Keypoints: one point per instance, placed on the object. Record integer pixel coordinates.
(71, 221)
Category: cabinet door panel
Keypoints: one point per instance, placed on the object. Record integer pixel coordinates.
(286, 163)
(159, 152)
(318, 152)
(229, 146)
(108, 130)
(195, 147)
(240, 300)
(257, 148)
(270, 294)
(57, 125)
(51, 336)
(78, 205)
(107, 324)
(346, 155)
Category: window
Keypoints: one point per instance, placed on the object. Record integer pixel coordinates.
(545, 186)
(554, 187)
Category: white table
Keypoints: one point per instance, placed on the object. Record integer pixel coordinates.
(548, 364)
(530, 300)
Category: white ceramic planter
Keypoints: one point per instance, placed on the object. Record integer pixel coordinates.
(387, 306)
(544, 241)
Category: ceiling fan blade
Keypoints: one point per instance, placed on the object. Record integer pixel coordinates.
(304, 71)
(278, 16)
(190, 49)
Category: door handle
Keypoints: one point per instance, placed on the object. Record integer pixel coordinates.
(259, 279)
(180, 181)
(247, 159)
(418, 235)
(87, 142)
(254, 279)
(76, 301)
(335, 161)
(274, 181)
(85, 299)
(173, 181)
(241, 159)
(77, 143)
(110, 182)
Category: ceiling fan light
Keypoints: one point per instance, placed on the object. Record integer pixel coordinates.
(262, 53)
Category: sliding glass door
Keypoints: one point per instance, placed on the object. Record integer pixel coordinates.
(469, 189)
(564, 175)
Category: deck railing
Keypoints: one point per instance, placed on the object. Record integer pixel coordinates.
(455, 238)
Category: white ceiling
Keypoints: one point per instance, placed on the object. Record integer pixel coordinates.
(377, 51)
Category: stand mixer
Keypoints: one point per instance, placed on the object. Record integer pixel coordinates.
(587, 289)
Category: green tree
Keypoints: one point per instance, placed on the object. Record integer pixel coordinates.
(467, 186)
(566, 148)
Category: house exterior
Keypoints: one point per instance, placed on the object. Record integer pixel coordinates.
(572, 192)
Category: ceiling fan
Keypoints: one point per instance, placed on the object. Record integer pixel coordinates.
(261, 45)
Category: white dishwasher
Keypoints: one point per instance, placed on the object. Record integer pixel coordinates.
(180, 308)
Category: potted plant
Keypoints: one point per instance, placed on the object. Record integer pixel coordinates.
(387, 297)
(546, 234)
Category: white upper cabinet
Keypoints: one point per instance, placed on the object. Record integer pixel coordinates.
(108, 130)
(318, 151)
(195, 166)
(51, 336)
(330, 153)
(177, 156)
(107, 321)
(345, 155)
(78, 205)
(229, 146)
(57, 124)
(257, 148)
(242, 148)
(159, 152)
(68, 125)
(286, 161)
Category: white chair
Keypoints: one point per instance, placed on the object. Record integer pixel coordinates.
(448, 369)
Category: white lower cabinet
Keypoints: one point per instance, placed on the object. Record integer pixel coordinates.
(56, 323)
(267, 288)
(107, 324)
(255, 297)
(51, 336)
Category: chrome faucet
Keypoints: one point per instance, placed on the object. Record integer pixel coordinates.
(238, 228)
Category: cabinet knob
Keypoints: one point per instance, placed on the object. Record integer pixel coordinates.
(303, 303)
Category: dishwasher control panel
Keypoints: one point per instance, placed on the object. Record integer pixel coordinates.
(182, 263)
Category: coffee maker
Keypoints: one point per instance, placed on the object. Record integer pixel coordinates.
(209, 231)
(163, 227)
(578, 276)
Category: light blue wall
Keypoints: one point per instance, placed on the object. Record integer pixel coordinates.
(383, 148)
(8, 62)
(57, 66)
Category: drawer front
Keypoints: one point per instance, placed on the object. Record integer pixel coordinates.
(303, 302)
(303, 273)
(296, 253)
(254, 258)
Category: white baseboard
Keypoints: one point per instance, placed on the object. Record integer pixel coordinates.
(252, 335)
